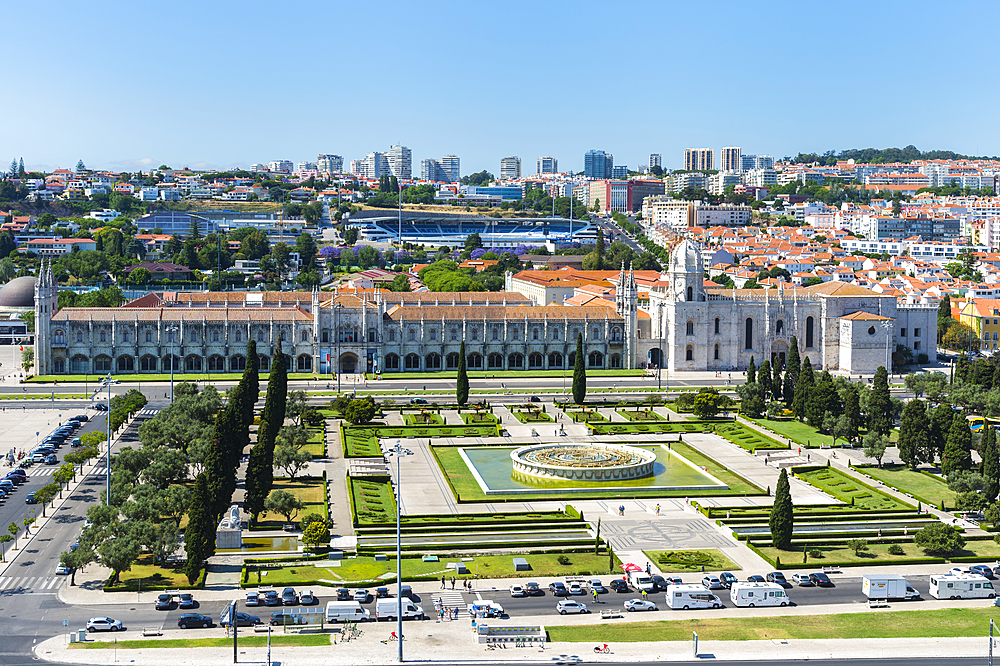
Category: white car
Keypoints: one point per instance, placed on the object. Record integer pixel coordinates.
(517, 591)
(712, 582)
(253, 599)
(103, 624)
(62, 571)
(802, 580)
(639, 605)
(570, 606)
(576, 588)
(959, 571)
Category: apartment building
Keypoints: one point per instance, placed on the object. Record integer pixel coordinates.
(663, 211)
(718, 182)
(623, 196)
(510, 168)
(681, 180)
(400, 160)
(598, 164)
(731, 159)
(326, 163)
(547, 164)
(655, 160)
(699, 159)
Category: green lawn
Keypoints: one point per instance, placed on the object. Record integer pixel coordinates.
(423, 418)
(147, 575)
(531, 416)
(639, 415)
(605, 428)
(245, 640)
(800, 433)
(46, 396)
(737, 484)
(747, 438)
(588, 417)
(367, 570)
(317, 443)
(848, 489)
(479, 418)
(877, 553)
(946, 622)
(165, 377)
(924, 488)
(674, 561)
(512, 374)
(311, 490)
(373, 501)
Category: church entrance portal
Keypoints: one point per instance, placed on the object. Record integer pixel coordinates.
(348, 364)
(779, 352)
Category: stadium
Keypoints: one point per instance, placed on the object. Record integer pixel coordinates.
(495, 232)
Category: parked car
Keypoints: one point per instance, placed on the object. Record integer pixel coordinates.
(712, 582)
(558, 589)
(576, 588)
(343, 594)
(618, 585)
(673, 580)
(253, 599)
(187, 601)
(534, 398)
(164, 602)
(82, 418)
(406, 591)
(533, 589)
(281, 618)
(639, 605)
(820, 580)
(381, 593)
(756, 579)
(288, 597)
(982, 570)
(776, 577)
(271, 598)
(801, 580)
(51, 459)
(194, 621)
(63, 571)
(99, 406)
(242, 620)
(361, 596)
(728, 579)
(417, 401)
(307, 598)
(659, 582)
(517, 591)
(596, 585)
(103, 624)
(571, 606)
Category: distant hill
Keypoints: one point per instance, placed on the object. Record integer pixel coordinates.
(881, 156)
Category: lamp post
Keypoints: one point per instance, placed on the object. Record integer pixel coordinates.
(399, 452)
(336, 331)
(108, 470)
(171, 329)
(887, 325)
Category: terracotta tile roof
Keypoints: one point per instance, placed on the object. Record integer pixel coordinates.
(865, 316)
(495, 313)
(839, 289)
(189, 315)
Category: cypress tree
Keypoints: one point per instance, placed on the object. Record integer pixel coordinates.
(793, 363)
(199, 536)
(914, 431)
(776, 381)
(251, 383)
(219, 471)
(991, 462)
(941, 420)
(751, 372)
(879, 404)
(788, 389)
(260, 469)
(852, 409)
(958, 449)
(782, 518)
(579, 373)
(764, 379)
(462, 383)
(803, 386)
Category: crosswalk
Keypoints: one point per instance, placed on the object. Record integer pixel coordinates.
(450, 599)
(42, 471)
(33, 583)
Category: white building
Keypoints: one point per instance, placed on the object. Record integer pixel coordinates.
(655, 160)
(400, 162)
(760, 177)
(718, 182)
(329, 163)
(547, 164)
(280, 166)
(450, 167)
(510, 168)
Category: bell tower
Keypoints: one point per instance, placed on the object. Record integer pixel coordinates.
(46, 304)
(627, 305)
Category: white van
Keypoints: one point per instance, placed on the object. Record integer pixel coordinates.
(387, 609)
(346, 611)
(758, 594)
(965, 586)
(691, 596)
(642, 581)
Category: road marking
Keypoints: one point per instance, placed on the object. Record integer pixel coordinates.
(4, 580)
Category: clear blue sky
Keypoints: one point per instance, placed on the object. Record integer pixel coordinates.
(220, 84)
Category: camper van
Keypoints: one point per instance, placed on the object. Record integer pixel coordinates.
(387, 609)
(964, 586)
(346, 611)
(758, 594)
(691, 596)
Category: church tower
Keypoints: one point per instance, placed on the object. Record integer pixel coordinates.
(46, 303)
(627, 305)
(687, 323)
(687, 273)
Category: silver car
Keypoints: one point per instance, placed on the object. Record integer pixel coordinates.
(103, 624)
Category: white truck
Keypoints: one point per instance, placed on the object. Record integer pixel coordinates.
(485, 608)
(751, 595)
(964, 586)
(346, 611)
(887, 586)
(388, 609)
(691, 596)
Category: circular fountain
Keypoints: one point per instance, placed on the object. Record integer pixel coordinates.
(583, 462)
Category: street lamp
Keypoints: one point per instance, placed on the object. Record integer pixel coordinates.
(108, 470)
(887, 325)
(171, 329)
(398, 451)
(336, 332)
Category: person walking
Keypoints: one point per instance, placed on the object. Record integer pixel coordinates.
(657, 509)
(442, 582)
(453, 582)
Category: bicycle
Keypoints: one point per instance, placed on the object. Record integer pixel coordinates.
(602, 650)
(393, 638)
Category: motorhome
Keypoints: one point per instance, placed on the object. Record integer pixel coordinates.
(887, 586)
(964, 586)
(346, 611)
(691, 596)
(388, 609)
(758, 594)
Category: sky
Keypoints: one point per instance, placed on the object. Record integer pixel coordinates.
(220, 84)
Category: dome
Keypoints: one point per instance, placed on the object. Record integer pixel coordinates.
(686, 258)
(18, 293)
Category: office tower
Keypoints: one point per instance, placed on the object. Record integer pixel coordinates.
(510, 168)
(598, 164)
(619, 171)
(450, 167)
(329, 163)
(400, 162)
(357, 166)
(730, 159)
(280, 166)
(699, 159)
(655, 160)
(547, 164)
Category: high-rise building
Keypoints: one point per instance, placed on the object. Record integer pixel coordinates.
(306, 166)
(329, 163)
(400, 162)
(619, 171)
(429, 169)
(731, 160)
(547, 164)
(598, 164)
(699, 159)
(510, 168)
(655, 160)
(357, 166)
(751, 162)
(375, 165)
(280, 166)
(450, 167)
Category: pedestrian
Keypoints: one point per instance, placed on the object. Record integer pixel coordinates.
(800, 450)
(644, 595)
(453, 582)
(442, 582)
(809, 457)
(880, 533)
(905, 532)
(649, 569)
(657, 509)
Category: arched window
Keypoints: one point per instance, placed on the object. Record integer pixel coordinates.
(170, 361)
(194, 335)
(104, 337)
(595, 334)
(534, 361)
(690, 294)
(412, 362)
(596, 359)
(779, 328)
(433, 362)
(239, 336)
(690, 327)
(392, 362)
(515, 362)
(281, 335)
(717, 325)
(392, 335)
(237, 363)
(689, 353)
(264, 363)
(304, 363)
(475, 334)
(78, 365)
(496, 332)
(305, 336)
(215, 336)
(749, 334)
(372, 335)
(615, 361)
(434, 334)
(411, 335)
(809, 332)
(59, 365)
(475, 361)
(555, 360)
(125, 335)
(192, 363)
(58, 337)
(147, 363)
(216, 363)
(260, 336)
(79, 336)
(454, 334)
(514, 334)
(716, 351)
(451, 360)
(495, 361)
(126, 364)
(102, 363)
(555, 333)
(149, 336)
(616, 334)
(534, 334)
